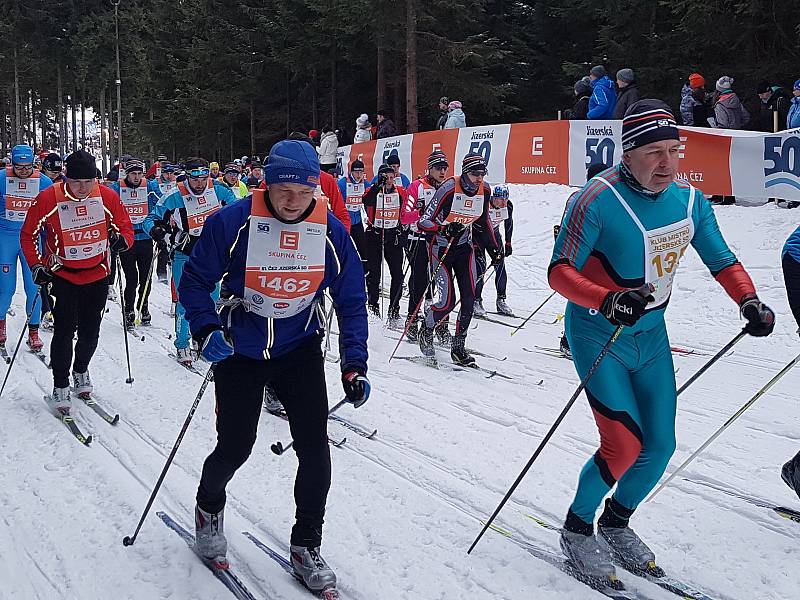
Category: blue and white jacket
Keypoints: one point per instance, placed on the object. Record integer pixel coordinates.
(153, 195)
(221, 254)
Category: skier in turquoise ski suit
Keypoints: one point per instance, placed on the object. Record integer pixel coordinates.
(196, 169)
(629, 227)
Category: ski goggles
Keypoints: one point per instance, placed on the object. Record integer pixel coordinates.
(28, 167)
(478, 172)
(199, 173)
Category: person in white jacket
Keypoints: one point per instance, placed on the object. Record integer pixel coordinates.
(328, 145)
(363, 129)
(455, 116)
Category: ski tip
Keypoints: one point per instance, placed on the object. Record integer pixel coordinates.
(127, 541)
(373, 434)
(88, 440)
(114, 420)
(277, 448)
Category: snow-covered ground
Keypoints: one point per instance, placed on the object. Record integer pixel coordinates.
(405, 506)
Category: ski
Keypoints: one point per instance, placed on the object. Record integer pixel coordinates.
(332, 441)
(499, 314)
(665, 581)
(433, 363)
(558, 318)
(42, 357)
(490, 373)
(91, 402)
(70, 423)
(783, 511)
(479, 353)
(353, 427)
(187, 366)
(222, 571)
(566, 566)
(4, 353)
(330, 593)
(498, 321)
(554, 352)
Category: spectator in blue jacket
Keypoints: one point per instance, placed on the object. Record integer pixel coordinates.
(604, 96)
(793, 118)
(276, 251)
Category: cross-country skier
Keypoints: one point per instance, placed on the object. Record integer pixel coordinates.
(270, 332)
(53, 167)
(139, 196)
(402, 180)
(456, 205)
(628, 228)
(420, 193)
(352, 188)
(19, 184)
(231, 178)
(790, 261)
(382, 201)
(502, 211)
(82, 222)
(191, 204)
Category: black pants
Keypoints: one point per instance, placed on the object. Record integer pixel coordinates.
(459, 262)
(393, 253)
(500, 275)
(81, 308)
(791, 276)
(161, 265)
(136, 263)
(357, 233)
(112, 270)
(298, 380)
(417, 253)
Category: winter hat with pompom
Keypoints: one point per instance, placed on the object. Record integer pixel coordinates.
(724, 83)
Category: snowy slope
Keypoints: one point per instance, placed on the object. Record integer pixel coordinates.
(405, 506)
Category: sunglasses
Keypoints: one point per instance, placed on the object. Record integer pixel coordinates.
(198, 173)
(479, 172)
(24, 167)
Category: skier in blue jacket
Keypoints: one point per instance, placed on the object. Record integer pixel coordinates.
(352, 187)
(276, 252)
(604, 95)
(139, 197)
(20, 183)
(192, 203)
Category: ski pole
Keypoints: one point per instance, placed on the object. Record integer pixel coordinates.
(715, 358)
(278, 448)
(129, 540)
(422, 297)
(328, 321)
(530, 316)
(146, 289)
(550, 433)
(19, 341)
(382, 258)
(129, 380)
(727, 423)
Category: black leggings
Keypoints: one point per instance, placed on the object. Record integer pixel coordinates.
(791, 276)
(417, 252)
(458, 262)
(81, 308)
(298, 380)
(393, 253)
(136, 263)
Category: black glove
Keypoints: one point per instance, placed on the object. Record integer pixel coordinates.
(161, 245)
(356, 387)
(117, 242)
(158, 233)
(452, 230)
(41, 275)
(760, 318)
(625, 308)
(508, 248)
(496, 254)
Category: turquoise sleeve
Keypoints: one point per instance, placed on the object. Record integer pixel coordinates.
(708, 240)
(580, 230)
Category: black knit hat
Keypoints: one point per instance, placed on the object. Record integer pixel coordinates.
(81, 165)
(356, 164)
(437, 158)
(647, 121)
(393, 159)
(473, 162)
(52, 162)
(385, 168)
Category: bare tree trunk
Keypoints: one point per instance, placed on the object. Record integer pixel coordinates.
(288, 102)
(103, 154)
(83, 118)
(412, 114)
(381, 79)
(62, 130)
(17, 107)
(152, 151)
(4, 127)
(112, 154)
(252, 128)
(397, 105)
(43, 121)
(32, 117)
(314, 119)
(231, 158)
(74, 110)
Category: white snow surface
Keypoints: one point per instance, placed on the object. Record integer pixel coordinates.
(404, 507)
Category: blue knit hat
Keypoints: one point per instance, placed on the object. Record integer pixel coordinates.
(796, 85)
(21, 153)
(292, 161)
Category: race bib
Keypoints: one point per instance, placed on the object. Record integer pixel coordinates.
(199, 208)
(465, 209)
(83, 227)
(355, 191)
(665, 248)
(135, 202)
(285, 262)
(20, 194)
(387, 210)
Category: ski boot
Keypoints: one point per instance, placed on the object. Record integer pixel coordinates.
(3, 336)
(477, 308)
(271, 402)
(393, 321)
(458, 352)
(626, 547)
(209, 536)
(184, 356)
(503, 308)
(590, 558)
(47, 321)
(412, 328)
(790, 473)
(61, 401)
(310, 568)
(426, 341)
(374, 310)
(563, 345)
(34, 341)
(146, 318)
(443, 334)
(82, 384)
(130, 319)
